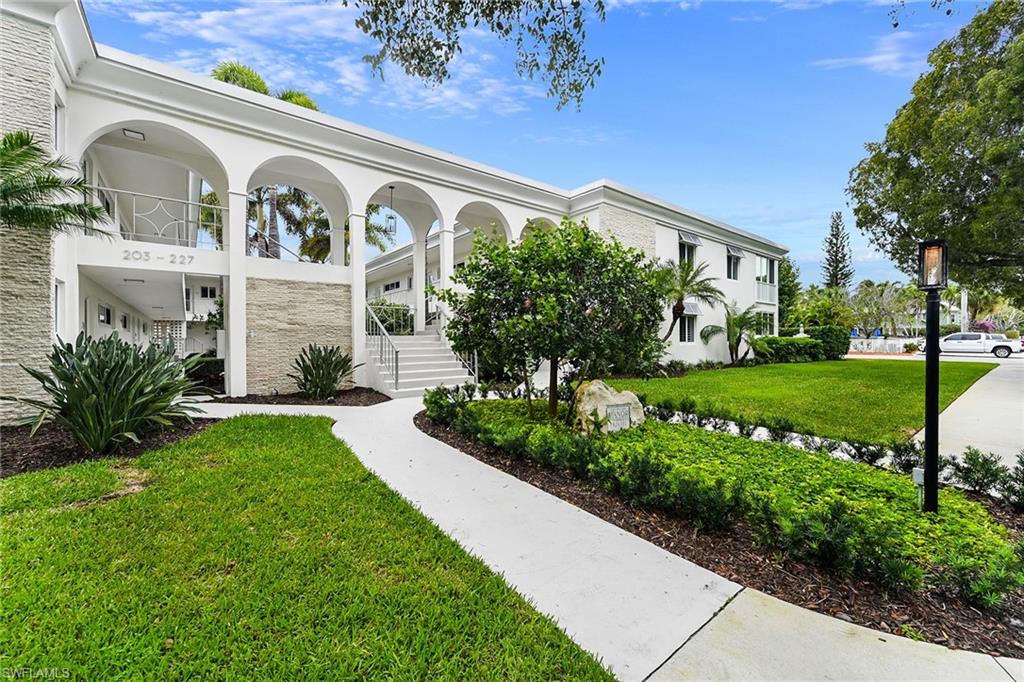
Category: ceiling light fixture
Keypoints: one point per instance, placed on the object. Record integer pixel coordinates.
(134, 134)
(391, 222)
(129, 280)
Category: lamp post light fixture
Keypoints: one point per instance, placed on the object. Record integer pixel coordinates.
(391, 222)
(932, 268)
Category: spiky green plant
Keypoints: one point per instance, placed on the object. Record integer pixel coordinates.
(740, 328)
(682, 281)
(105, 391)
(34, 189)
(321, 369)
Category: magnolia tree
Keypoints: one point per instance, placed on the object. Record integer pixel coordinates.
(585, 304)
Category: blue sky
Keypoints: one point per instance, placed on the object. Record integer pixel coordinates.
(752, 112)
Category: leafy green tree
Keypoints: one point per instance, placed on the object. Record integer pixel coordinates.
(680, 281)
(423, 37)
(566, 296)
(263, 198)
(819, 306)
(837, 269)
(789, 289)
(740, 330)
(952, 161)
(35, 189)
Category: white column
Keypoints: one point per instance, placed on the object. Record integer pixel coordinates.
(357, 261)
(338, 243)
(419, 279)
(235, 243)
(964, 322)
(447, 246)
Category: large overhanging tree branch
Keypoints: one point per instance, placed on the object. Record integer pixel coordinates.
(424, 36)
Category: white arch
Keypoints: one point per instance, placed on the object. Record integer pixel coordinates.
(485, 209)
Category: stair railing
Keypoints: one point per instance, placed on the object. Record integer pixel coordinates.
(469, 360)
(387, 352)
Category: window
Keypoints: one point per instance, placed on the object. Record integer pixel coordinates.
(391, 286)
(732, 267)
(688, 329)
(765, 270)
(145, 328)
(106, 315)
(188, 299)
(124, 322)
(955, 337)
(765, 325)
(56, 308)
(207, 292)
(970, 337)
(687, 252)
(410, 284)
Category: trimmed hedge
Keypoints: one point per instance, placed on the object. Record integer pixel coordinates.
(792, 349)
(836, 340)
(848, 517)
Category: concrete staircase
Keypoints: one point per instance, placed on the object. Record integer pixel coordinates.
(424, 361)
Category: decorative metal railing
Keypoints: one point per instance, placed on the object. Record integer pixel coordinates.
(163, 220)
(260, 244)
(397, 318)
(378, 338)
(469, 360)
(766, 293)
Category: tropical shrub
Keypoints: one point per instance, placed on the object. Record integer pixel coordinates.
(853, 519)
(905, 455)
(105, 391)
(1013, 333)
(321, 369)
(443, 404)
(209, 373)
(911, 347)
(835, 340)
(946, 329)
(868, 453)
(1011, 487)
(978, 471)
(794, 349)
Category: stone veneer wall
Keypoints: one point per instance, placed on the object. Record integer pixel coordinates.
(283, 317)
(26, 102)
(631, 229)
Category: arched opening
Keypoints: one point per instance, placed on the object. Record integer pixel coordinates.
(296, 210)
(535, 225)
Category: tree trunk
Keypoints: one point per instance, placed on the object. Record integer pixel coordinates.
(670, 328)
(553, 389)
(528, 388)
(273, 231)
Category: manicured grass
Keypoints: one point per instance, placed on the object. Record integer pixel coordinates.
(260, 548)
(864, 400)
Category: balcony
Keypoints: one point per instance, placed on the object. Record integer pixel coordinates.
(162, 220)
(765, 292)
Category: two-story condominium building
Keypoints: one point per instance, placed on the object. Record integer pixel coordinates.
(173, 158)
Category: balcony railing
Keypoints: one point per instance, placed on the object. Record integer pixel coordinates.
(162, 220)
(766, 293)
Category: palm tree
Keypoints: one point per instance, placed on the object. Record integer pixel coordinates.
(740, 327)
(33, 188)
(237, 73)
(684, 280)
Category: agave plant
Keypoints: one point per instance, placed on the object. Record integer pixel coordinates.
(320, 370)
(105, 391)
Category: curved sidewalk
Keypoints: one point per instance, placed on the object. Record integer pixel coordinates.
(646, 613)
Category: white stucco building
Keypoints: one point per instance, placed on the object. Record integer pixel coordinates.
(155, 142)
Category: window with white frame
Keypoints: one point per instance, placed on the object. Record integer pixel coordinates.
(765, 270)
(732, 261)
(688, 329)
(391, 286)
(688, 243)
(765, 323)
(124, 322)
(207, 292)
(105, 314)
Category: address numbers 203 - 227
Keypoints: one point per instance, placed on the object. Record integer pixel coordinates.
(144, 256)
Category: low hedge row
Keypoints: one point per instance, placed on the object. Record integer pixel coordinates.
(834, 339)
(793, 349)
(853, 519)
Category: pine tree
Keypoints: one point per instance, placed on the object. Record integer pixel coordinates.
(837, 270)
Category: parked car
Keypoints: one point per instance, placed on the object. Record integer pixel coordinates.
(979, 342)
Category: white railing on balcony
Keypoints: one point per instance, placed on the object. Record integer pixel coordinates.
(261, 245)
(162, 220)
(766, 293)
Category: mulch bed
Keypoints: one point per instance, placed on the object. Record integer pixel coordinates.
(949, 621)
(52, 446)
(359, 396)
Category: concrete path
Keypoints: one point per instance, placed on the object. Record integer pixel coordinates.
(645, 613)
(989, 415)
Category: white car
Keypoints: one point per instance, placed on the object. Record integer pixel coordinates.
(979, 342)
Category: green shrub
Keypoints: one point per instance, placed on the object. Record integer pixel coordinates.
(911, 347)
(105, 391)
(906, 455)
(1013, 333)
(868, 453)
(714, 506)
(209, 373)
(835, 340)
(794, 349)
(644, 478)
(979, 471)
(443, 404)
(321, 369)
(1011, 487)
(947, 329)
(789, 331)
(780, 429)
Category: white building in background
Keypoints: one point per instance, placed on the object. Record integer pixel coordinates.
(157, 143)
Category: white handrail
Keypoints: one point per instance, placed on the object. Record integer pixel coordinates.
(470, 362)
(387, 351)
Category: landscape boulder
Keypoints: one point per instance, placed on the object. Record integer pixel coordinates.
(596, 397)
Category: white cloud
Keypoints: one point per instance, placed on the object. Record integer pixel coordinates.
(575, 136)
(896, 54)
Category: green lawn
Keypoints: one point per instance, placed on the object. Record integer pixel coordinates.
(866, 400)
(260, 548)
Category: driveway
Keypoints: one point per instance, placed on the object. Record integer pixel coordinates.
(989, 415)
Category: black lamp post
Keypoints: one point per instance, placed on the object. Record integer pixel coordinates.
(932, 278)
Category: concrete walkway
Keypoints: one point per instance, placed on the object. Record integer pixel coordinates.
(644, 612)
(989, 415)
